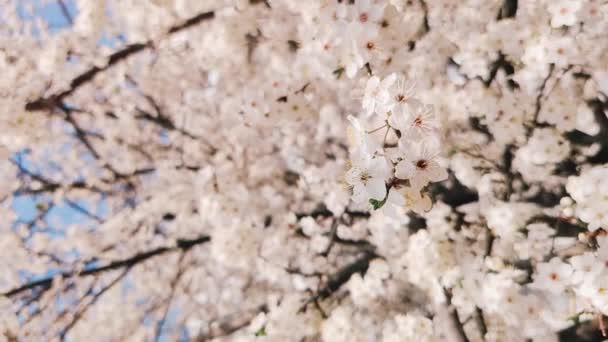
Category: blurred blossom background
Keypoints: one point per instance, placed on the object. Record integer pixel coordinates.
(286, 170)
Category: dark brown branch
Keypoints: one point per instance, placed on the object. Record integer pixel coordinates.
(539, 98)
(51, 101)
(47, 184)
(265, 2)
(181, 244)
(455, 317)
(500, 63)
(45, 103)
(322, 211)
(483, 327)
(508, 9)
(336, 281)
(333, 233)
(425, 23)
(192, 22)
(163, 120)
(81, 135)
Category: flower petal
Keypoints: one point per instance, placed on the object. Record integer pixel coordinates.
(376, 188)
(405, 169)
(352, 176)
(423, 205)
(359, 193)
(395, 198)
(436, 173)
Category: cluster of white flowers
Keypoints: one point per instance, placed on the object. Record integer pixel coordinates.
(393, 163)
(581, 281)
(590, 191)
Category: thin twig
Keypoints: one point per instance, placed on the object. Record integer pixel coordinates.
(65, 11)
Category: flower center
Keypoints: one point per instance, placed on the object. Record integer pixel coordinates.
(422, 164)
(365, 177)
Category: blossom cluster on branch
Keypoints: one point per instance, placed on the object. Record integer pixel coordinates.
(287, 170)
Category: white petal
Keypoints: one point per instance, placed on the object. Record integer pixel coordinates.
(379, 168)
(418, 181)
(413, 150)
(389, 80)
(376, 188)
(436, 173)
(405, 169)
(351, 69)
(430, 147)
(368, 106)
(359, 193)
(353, 175)
(363, 5)
(395, 198)
(355, 122)
(372, 84)
(400, 118)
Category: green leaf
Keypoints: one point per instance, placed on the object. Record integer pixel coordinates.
(261, 331)
(377, 204)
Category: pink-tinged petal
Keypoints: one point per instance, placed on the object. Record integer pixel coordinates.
(376, 188)
(423, 205)
(405, 169)
(435, 172)
(418, 181)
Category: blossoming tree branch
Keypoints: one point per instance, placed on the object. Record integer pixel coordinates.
(285, 170)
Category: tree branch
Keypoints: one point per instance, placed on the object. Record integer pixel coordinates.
(181, 244)
(65, 11)
(44, 103)
(455, 317)
(78, 315)
(341, 277)
(161, 323)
